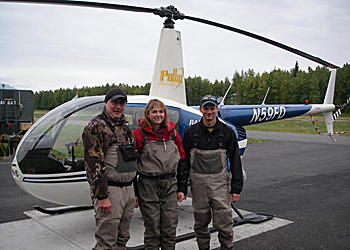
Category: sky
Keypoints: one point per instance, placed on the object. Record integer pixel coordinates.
(47, 47)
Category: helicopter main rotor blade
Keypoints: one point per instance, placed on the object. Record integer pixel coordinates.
(172, 13)
(263, 39)
(86, 4)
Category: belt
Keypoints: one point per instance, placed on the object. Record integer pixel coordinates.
(159, 177)
(119, 184)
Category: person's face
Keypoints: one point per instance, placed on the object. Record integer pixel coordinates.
(116, 108)
(209, 112)
(156, 116)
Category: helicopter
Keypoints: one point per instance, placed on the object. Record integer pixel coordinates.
(48, 162)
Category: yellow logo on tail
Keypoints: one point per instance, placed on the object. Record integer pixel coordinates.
(171, 78)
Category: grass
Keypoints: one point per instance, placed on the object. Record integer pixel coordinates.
(302, 125)
(252, 141)
(39, 113)
(320, 117)
(69, 133)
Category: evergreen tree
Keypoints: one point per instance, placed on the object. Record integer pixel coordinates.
(295, 71)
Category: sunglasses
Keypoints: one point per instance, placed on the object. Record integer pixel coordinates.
(209, 98)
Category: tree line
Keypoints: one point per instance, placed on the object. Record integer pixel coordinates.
(286, 87)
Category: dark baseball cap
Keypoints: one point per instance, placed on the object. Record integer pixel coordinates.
(208, 99)
(114, 94)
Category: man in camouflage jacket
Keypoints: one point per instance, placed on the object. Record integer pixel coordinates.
(109, 175)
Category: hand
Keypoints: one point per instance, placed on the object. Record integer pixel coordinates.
(234, 197)
(105, 205)
(181, 196)
(136, 202)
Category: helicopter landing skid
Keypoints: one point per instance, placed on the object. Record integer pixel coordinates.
(250, 218)
(60, 210)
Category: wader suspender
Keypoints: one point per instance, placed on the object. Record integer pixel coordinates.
(195, 140)
(221, 141)
(128, 130)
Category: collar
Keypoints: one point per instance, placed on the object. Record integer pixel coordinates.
(120, 121)
(215, 127)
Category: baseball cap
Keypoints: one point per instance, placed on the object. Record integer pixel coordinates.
(208, 99)
(114, 94)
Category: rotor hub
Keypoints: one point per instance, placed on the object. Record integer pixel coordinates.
(171, 13)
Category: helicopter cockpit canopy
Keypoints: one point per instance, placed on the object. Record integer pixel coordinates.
(54, 143)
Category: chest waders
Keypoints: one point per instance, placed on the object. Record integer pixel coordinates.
(158, 158)
(211, 194)
(112, 229)
(119, 171)
(157, 188)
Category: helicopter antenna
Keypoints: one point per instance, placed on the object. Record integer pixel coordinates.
(223, 99)
(263, 103)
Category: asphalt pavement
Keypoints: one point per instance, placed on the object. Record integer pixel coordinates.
(304, 179)
(14, 201)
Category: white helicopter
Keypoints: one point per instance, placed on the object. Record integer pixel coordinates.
(48, 162)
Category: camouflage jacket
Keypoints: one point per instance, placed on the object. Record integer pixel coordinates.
(97, 137)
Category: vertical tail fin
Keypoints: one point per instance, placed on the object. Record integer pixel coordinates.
(168, 76)
(329, 100)
(330, 89)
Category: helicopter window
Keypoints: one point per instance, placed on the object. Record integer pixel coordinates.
(133, 114)
(174, 116)
(68, 147)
